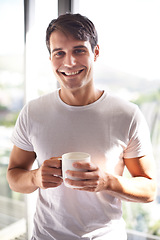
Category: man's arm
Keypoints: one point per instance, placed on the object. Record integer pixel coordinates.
(22, 179)
(141, 187)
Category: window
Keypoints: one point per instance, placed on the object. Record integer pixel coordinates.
(128, 65)
(39, 76)
(11, 101)
(25, 73)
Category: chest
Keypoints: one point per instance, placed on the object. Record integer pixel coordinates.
(93, 133)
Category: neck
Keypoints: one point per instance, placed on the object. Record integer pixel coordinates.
(80, 97)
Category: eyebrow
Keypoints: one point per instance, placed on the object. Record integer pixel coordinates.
(56, 49)
(75, 47)
(79, 46)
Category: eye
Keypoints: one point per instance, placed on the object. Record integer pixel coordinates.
(59, 54)
(79, 51)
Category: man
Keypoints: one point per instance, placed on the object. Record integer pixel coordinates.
(79, 117)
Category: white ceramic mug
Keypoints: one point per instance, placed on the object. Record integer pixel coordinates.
(67, 164)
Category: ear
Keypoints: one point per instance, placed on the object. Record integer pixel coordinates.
(96, 52)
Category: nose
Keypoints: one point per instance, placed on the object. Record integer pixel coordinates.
(69, 60)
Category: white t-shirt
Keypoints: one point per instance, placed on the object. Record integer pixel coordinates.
(110, 129)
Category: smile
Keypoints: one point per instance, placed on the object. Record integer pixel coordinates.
(71, 73)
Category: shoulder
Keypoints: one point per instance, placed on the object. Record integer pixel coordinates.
(120, 105)
(42, 103)
(39, 106)
(44, 99)
(125, 113)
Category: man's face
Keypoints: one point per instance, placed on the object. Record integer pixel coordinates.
(72, 60)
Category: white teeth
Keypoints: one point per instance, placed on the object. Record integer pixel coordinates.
(72, 73)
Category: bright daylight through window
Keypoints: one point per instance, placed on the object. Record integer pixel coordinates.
(14, 87)
(12, 206)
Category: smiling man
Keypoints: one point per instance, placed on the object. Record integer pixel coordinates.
(72, 62)
(80, 117)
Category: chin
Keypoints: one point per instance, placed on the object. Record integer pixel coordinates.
(73, 86)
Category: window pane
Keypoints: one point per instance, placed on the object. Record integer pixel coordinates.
(12, 205)
(129, 65)
(39, 76)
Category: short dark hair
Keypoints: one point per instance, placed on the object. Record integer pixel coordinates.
(76, 25)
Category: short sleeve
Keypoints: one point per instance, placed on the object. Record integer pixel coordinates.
(20, 135)
(139, 143)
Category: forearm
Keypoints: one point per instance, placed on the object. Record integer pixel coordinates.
(136, 189)
(21, 180)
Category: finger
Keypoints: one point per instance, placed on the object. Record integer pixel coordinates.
(84, 184)
(83, 175)
(85, 165)
(52, 179)
(53, 162)
(56, 162)
(51, 171)
(49, 182)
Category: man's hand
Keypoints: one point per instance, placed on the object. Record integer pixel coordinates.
(140, 187)
(93, 179)
(49, 175)
(23, 179)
